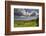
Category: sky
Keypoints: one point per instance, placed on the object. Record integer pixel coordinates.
(30, 10)
(20, 11)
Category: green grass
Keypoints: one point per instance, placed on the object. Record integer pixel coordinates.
(21, 23)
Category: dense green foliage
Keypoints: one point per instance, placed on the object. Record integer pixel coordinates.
(26, 23)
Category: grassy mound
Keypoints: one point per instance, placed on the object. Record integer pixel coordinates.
(25, 23)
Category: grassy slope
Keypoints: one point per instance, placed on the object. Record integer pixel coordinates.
(20, 23)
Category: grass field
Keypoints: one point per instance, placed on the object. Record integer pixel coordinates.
(26, 23)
